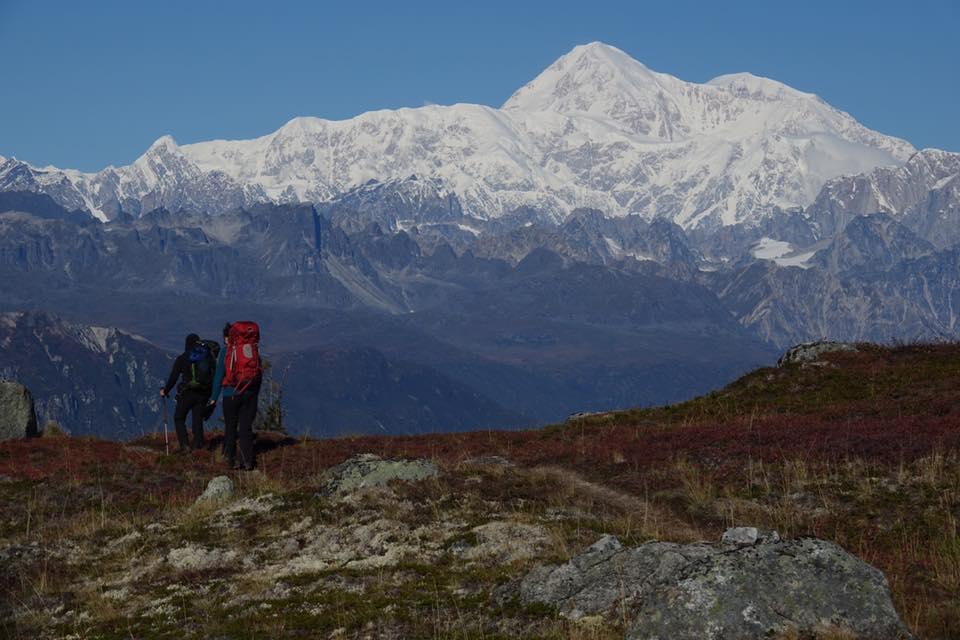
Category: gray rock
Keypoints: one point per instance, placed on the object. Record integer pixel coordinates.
(18, 418)
(811, 351)
(368, 470)
(607, 577)
(219, 489)
(757, 590)
(744, 536)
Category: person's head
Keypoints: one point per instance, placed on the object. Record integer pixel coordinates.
(191, 342)
(226, 331)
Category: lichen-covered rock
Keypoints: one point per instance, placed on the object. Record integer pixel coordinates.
(730, 590)
(370, 545)
(607, 577)
(506, 542)
(18, 418)
(219, 489)
(368, 470)
(811, 351)
(196, 558)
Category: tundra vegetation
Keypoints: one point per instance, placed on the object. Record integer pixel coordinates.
(104, 539)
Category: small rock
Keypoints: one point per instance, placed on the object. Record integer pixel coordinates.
(368, 470)
(219, 489)
(746, 536)
(809, 352)
(605, 544)
(195, 558)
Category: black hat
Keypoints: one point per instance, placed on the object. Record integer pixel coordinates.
(191, 341)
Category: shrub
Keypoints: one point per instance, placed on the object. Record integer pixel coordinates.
(52, 429)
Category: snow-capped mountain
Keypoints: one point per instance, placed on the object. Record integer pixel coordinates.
(924, 194)
(596, 129)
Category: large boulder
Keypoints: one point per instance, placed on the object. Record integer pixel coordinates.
(18, 419)
(769, 588)
(368, 470)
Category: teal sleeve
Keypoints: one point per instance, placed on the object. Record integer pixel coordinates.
(218, 376)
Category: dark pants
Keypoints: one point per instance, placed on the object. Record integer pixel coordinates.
(239, 412)
(195, 402)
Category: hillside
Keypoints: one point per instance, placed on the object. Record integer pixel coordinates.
(859, 448)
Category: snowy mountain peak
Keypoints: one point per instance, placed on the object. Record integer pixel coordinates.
(163, 143)
(601, 81)
(756, 87)
(599, 54)
(300, 125)
(596, 129)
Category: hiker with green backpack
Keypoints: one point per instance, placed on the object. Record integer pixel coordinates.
(195, 368)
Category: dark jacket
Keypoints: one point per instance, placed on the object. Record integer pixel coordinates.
(181, 369)
(181, 366)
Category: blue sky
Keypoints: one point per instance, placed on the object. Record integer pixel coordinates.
(87, 84)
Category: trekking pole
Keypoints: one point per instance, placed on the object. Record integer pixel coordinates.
(166, 436)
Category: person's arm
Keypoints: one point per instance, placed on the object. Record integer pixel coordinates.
(218, 376)
(174, 374)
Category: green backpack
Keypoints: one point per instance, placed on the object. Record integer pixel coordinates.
(203, 365)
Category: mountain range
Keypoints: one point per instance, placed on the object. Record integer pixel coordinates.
(596, 129)
(611, 236)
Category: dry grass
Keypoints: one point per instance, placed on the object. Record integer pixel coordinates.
(864, 452)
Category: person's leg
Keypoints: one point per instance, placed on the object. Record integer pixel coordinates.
(180, 420)
(198, 409)
(230, 419)
(248, 413)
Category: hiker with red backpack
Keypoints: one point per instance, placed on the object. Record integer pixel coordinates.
(238, 377)
(195, 367)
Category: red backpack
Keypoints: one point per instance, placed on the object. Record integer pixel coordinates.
(242, 360)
